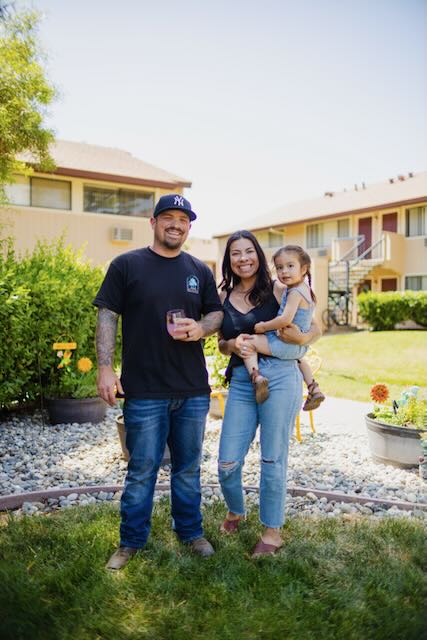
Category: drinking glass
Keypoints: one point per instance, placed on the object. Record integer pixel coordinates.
(171, 316)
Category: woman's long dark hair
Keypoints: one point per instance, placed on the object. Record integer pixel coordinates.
(263, 286)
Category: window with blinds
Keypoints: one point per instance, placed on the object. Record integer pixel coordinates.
(416, 283)
(416, 221)
(124, 202)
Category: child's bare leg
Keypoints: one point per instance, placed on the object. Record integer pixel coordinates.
(315, 397)
(259, 381)
(306, 371)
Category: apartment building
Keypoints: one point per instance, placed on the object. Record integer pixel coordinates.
(100, 198)
(370, 237)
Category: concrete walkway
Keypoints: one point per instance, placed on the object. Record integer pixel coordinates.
(339, 416)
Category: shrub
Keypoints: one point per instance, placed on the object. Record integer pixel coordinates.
(45, 297)
(382, 311)
(216, 362)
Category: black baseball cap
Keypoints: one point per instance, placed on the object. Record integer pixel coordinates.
(174, 201)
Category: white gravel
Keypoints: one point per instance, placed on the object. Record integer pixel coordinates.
(35, 457)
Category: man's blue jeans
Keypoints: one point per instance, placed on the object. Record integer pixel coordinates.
(149, 425)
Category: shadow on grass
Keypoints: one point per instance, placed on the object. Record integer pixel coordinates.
(333, 579)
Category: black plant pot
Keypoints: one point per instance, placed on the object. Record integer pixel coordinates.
(67, 410)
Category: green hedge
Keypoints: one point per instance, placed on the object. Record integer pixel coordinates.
(45, 297)
(382, 311)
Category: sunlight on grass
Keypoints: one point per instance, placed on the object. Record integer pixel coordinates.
(353, 362)
(333, 579)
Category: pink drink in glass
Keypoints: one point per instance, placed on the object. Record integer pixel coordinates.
(171, 316)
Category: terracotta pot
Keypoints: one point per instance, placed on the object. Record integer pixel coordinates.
(394, 445)
(68, 410)
(120, 423)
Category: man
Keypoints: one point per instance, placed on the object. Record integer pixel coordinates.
(164, 378)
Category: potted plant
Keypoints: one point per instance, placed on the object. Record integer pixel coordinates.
(394, 430)
(71, 393)
(216, 364)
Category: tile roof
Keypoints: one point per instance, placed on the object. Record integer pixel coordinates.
(83, 159)
(371, 196)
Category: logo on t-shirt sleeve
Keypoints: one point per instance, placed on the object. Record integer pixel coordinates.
(193, 284)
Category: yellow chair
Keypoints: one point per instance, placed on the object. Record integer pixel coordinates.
(315, 362)
(219, 395)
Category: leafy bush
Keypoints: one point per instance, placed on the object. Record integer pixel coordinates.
(382, 311)
(216, 362)
(45, 297)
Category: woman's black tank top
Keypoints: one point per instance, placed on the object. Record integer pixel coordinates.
(235, 322)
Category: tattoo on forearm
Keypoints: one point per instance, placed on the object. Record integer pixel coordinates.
(211, 322)
(106, 332)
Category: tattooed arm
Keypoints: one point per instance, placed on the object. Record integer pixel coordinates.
(106, 332)
(192, 330)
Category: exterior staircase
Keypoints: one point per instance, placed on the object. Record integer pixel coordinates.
(346, 273)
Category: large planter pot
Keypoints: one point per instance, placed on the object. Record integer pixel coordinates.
(217, 403)
(397, 446)
(120, 423)
(66, 410)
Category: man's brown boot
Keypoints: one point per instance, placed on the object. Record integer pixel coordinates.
(202, 547)
(120, 558)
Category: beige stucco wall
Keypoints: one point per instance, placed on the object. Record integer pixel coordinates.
(92, 231)
(402, 256)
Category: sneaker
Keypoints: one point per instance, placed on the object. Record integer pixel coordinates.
(120, 558)
(202, 547)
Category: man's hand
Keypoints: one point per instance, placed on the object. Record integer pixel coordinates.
(188, 330)
(107, 383)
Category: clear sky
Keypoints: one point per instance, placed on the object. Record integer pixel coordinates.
(258, 103)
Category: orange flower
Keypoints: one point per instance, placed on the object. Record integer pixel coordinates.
(379, 393)
(84, 365)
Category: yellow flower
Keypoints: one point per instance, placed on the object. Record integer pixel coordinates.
(379, 393)
(84, 365)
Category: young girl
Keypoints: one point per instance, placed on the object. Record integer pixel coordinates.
(292, 265)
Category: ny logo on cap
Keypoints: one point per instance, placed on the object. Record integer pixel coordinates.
(179, 201)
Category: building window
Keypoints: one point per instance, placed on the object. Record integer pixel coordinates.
(123, 202)
(343, 228)
(50, 194)
(314, 236)
(416, 283)
(275, 239)
(40, 192)
(416, 221)
(19, 191)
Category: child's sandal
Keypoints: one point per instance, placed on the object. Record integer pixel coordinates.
(260, 385)
(314, 398)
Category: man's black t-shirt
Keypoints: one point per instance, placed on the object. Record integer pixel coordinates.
(142, 286)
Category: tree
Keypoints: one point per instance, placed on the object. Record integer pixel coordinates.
(25, 93)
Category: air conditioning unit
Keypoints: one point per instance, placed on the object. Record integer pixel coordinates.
(120, 234)
(322, 252)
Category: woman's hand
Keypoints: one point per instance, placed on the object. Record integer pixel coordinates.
(293, 334)
(259, 327)
(242, 345)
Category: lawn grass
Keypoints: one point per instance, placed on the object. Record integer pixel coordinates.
(335, 579)
(353, 362)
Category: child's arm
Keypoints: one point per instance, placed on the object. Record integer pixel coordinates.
(292, 303)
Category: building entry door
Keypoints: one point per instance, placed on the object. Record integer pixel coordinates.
(389, 284)
(365, 229)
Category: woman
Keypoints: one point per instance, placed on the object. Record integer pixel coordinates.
(249, 296)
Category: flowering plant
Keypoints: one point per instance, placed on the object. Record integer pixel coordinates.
(409, 410)
(74, 377)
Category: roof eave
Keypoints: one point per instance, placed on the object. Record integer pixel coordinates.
(386, 205)
(110, 177)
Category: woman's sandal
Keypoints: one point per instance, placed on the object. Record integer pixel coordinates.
(264, 549)
(314, 398)
(230, 526)
(260, 385)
